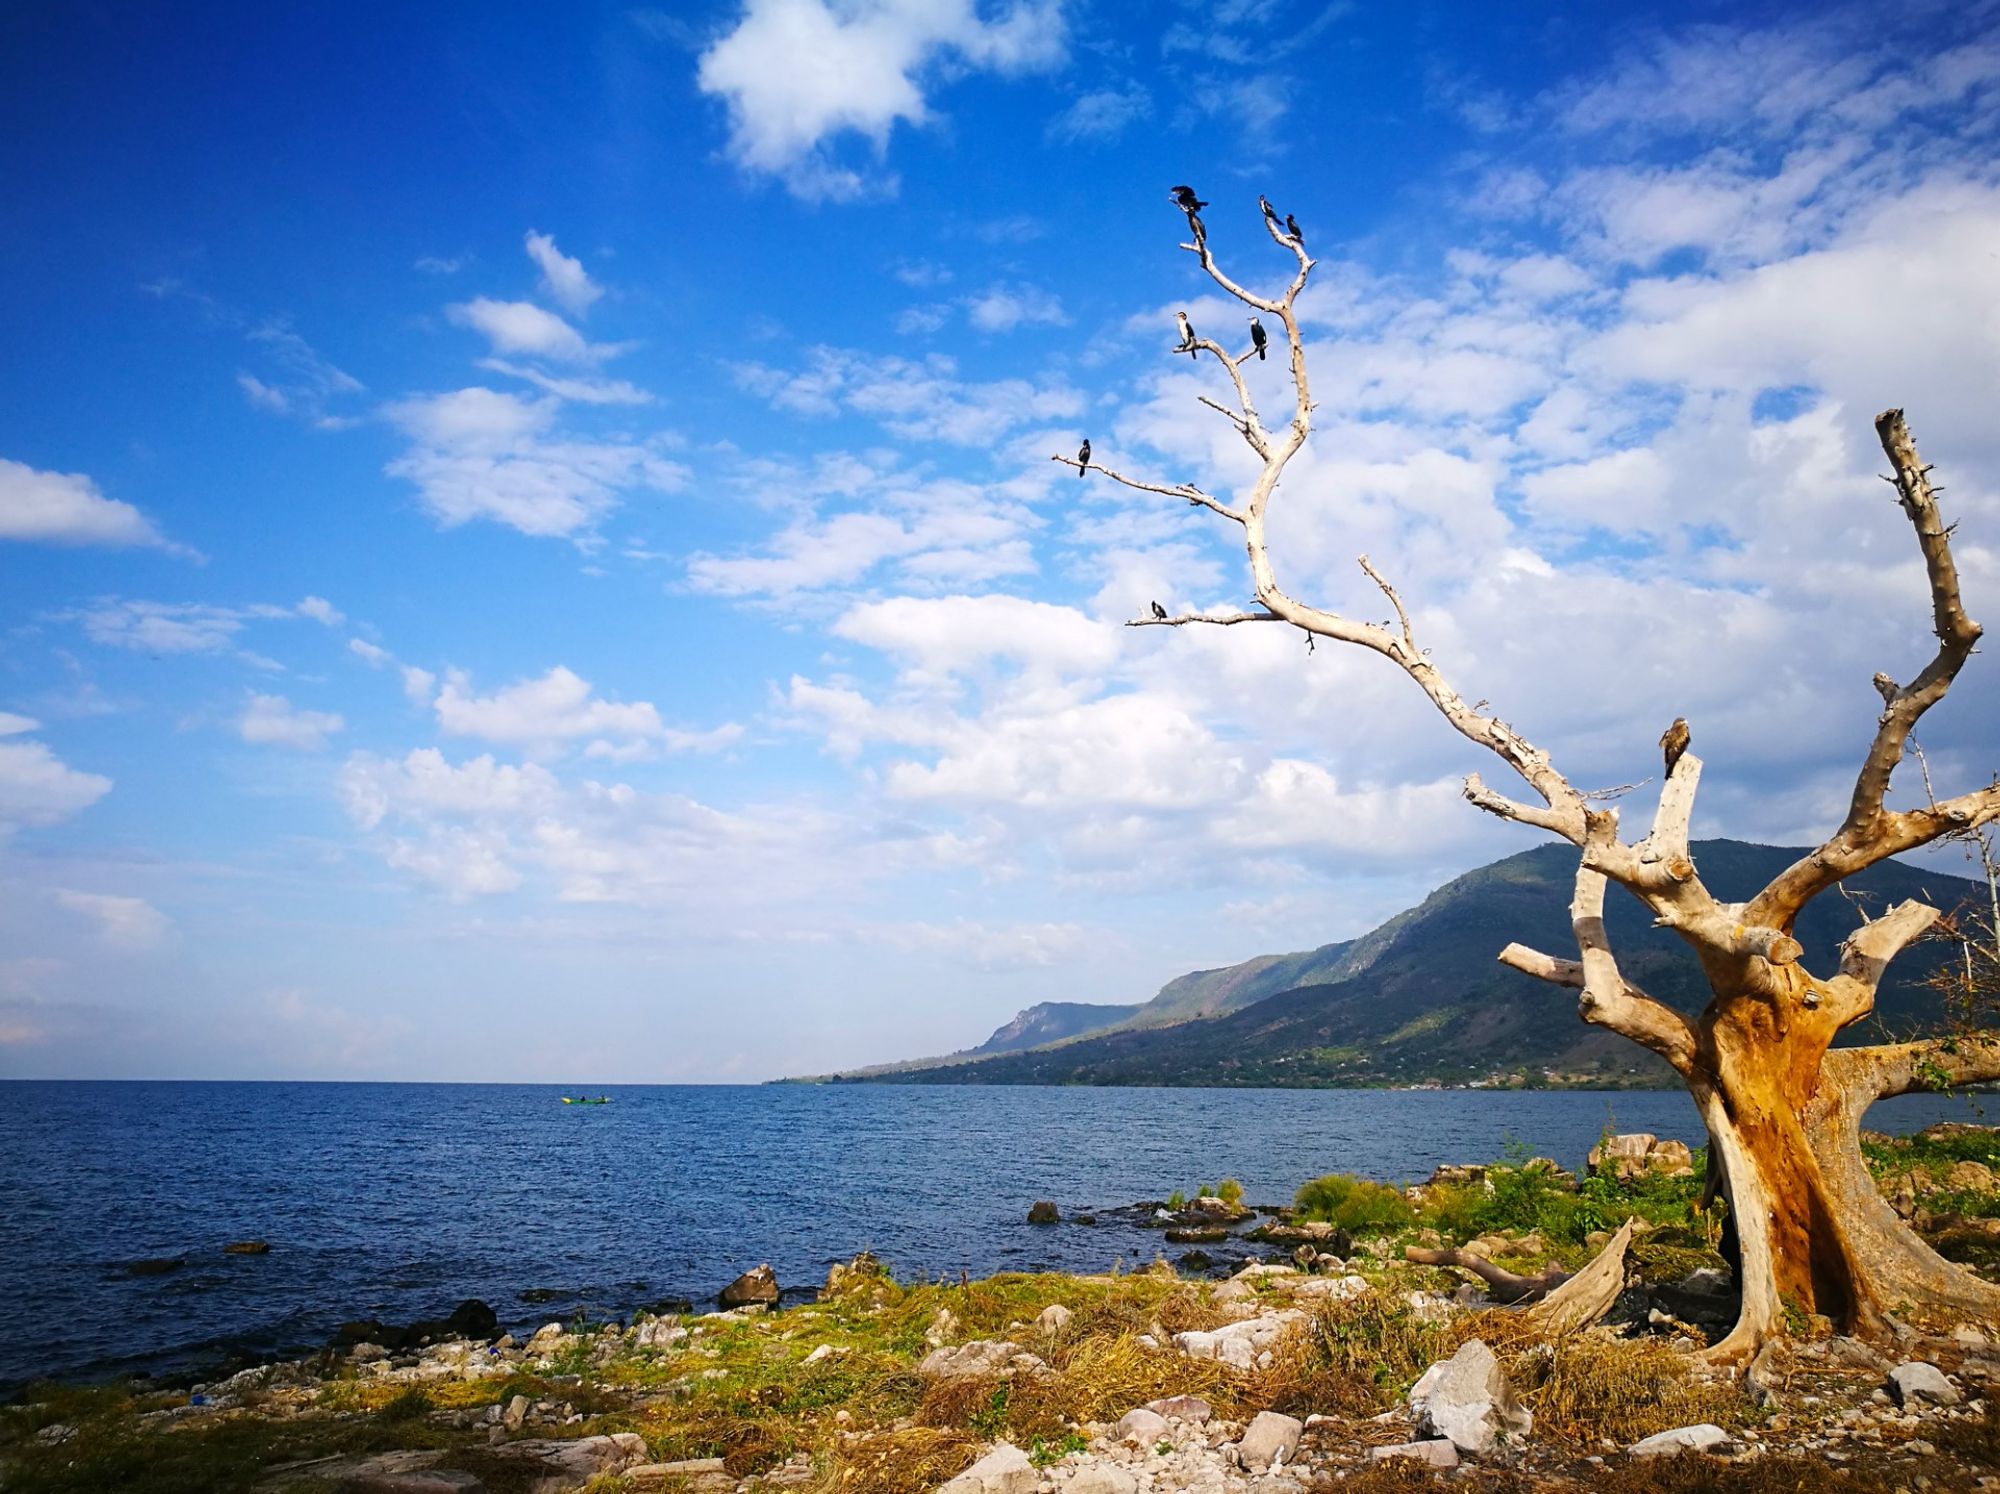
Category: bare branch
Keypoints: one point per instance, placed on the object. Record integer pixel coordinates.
(1668, 841)
(1186, 490)
(1867, 953)
(1226, 620)
(1903, 1068)
(1395, 601)
(1543, 966)
(1870, 832)
(1607, 1000)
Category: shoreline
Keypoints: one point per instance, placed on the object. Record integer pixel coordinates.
(1316, 1327)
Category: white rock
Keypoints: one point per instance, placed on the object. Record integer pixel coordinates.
(1439, 1453)
(1703, 1437)
(1103, 1478)
(1270, 1438)
(983, 1356)
(1055, 1317)
(1467, 1398)
(1182, 1408)
(1141, 1427)
(1330, 1288)
(1915, 1383)
(1004, 1470)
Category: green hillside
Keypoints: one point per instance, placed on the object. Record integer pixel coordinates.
(1423, 998)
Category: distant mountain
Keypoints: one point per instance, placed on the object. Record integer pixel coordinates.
(1053, 1021)
(1044, 1023)
(1422, 998)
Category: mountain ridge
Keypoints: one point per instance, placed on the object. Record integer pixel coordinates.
(1422, 999)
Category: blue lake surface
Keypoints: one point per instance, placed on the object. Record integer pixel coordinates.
(396, 1201)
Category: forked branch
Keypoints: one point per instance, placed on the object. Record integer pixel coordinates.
(1605, 998)
(1871, 832)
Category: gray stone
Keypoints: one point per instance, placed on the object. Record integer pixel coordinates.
(1439, 1453)
(1042, 1211)
(758, 1286)
(1702, 1437)
(1467, 1398)
(1915, 1383)
(1054, 1318)
(515, 1414)
(1182, 1408)
(1103, 1478)
(979, 1358)
(417, 1481)
(1143, 1426)
(553, 1467)
(1004, 1470)
(1270, 1438)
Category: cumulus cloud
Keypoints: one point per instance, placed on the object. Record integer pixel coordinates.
(67, 508)
(564, 279)
(124, 922)
(1002, 308)
(545, 714)
(521, 327)
(273, 721)
(478, 453)
(798, 74)
(36, 787)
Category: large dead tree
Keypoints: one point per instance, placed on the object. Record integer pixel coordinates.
(1781, 1105)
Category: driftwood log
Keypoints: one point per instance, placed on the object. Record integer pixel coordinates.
(1557, 1300)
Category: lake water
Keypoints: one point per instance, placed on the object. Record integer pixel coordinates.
(396, 1201)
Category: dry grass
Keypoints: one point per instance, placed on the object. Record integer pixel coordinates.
(1353, 1358)
(908, 1460)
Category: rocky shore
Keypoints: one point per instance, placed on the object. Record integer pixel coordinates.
(1307, 1354)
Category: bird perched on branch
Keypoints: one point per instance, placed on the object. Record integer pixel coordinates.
(1187, 334)
(1293, 230)
(1674, 741)
(1257, 337)
(1083, 457)
(1159, 613)
(1187, 202)
(1270, 213)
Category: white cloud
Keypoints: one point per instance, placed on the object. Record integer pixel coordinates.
(273, 721)
(125, 922)
(320, 610)
(418, 684)
(545, 714)
(373, 654)
(914, 399)
(557, 707)
(937, 535)
(521, 327)
(14, 726)
(37, 787)
(163, 627)
(1103, 114)
(577, 391)
(481, 454)
(1002, 308)
(798, 73)
(944, 636)
(66, 508)
(563, 278)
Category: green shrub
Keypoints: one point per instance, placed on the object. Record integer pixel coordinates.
(412, 1405)
(1354, 1204)
(1177, 1200)
(1229, 1191)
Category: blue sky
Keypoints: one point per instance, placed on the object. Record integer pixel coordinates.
(528, 549)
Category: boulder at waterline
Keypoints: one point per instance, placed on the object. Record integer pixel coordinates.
(758, 1287)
